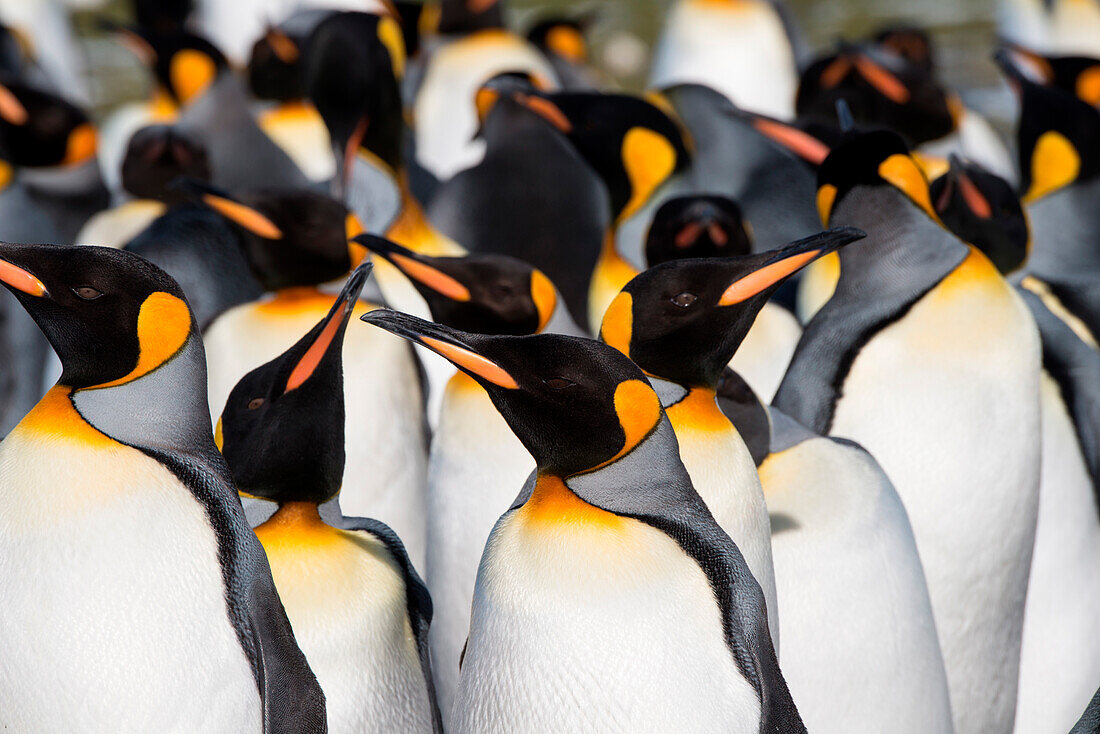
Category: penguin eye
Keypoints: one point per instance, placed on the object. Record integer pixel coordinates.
(87, 293)
(255, 403)
(683, 300)
(558, 383)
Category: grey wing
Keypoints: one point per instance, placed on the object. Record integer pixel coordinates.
(418, 600)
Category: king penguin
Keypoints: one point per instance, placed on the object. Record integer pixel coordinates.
(1059, 655)
(711, 226)
(472, 46)
(120, 512)
(921, 335)
(296, 242)
(1051, 26)
(681, 322)
(357, 606)
(608, 599)
(742, 48)
(476, 461)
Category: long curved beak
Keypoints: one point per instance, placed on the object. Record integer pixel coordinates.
(21, 280)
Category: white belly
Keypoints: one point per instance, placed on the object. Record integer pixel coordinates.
(476, 470)
(947, 400)
(117, 226)
(860, 652)
(741, 50)
(345, 599)
(386, 465)
(763, 357)
(724, 475)
(580, 629)
(302, 135)
(114, 610)
(444, 110)
(1060, 657)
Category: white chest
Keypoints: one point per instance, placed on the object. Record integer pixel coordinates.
(114, 608)
(597, 629)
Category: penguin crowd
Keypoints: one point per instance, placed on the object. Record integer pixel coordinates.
(388, 369)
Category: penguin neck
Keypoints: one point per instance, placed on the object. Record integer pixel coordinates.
(410, 226)
(376, 192)
(1064, 227)
(904, 248)
(165, 409)
(83, 181)
(691, 407)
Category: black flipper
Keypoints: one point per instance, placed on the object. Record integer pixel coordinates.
(418, 600)
(1090, 720)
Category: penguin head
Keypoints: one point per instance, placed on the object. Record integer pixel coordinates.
(185, 65)
(910, 43)
(696, 226)
(1078, 75)
(561, 37)
(291, 237)
(162, 15)
(982, 209)
(351, 70)
(632, 144)
(469, 16)
(683, 320)
(274, 66)
(877, 159)
(41, 130)
(478, 292)
(574, 403)
(110, 315)
(282, 429)
(881, 89)
(1058, 136)
(156, 156)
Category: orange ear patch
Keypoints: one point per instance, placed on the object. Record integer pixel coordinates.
(638, 409)
(760, 280)
(826, 198)
(163, 326)
(437, 280)
(798, 142)
(545, 297)
(283, 46)
(21, 280)
(472, 362)
(618, 323)
(568, 43)
(245, 216)
(903, 173)
(307, 365)
(1088, 85)
(81, 145)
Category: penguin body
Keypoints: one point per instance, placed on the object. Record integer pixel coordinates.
(608, 569)
(476, 461)
(1051, 26)
(154, 546)
(740, 49)
(838, 529)
(883, 368)
(358, 608)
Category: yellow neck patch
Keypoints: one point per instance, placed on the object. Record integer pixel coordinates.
(649, 159)
(826, 197)
(568, 43)
(55, 418)
(293, 526)
(612, 274)
(618, 323)
(190, 73)
(389, 33)
(1054, 165)
(699, 411)
(294, 301)
(164, 324)
(553, 503)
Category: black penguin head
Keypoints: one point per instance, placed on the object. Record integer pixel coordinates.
(561, 37)
(633, 145)
(683, 320)
(275, 68)
(517, 87)
(478, 292)
(982, 209)
(413, 17)
(163, 16)
(881, 89)
(40, 130)
(574, 403)
(351, 68)
(910, 43)
(469, 16)
(282, 429)
(1058, 137)
(291, 237)
(156, 156)
(689, 227)
(110, 315)
(877, 158)
(185, 65)
(1078, 75)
